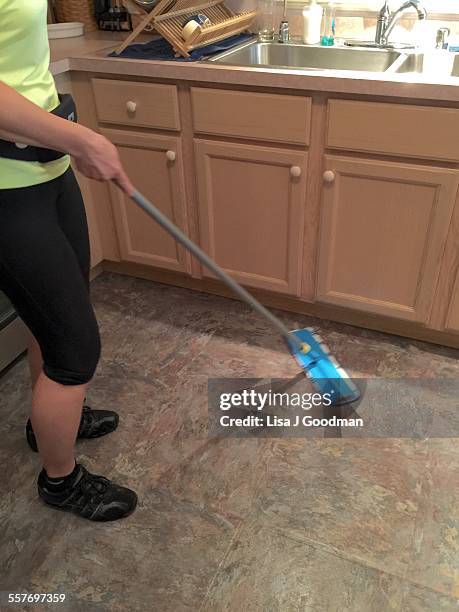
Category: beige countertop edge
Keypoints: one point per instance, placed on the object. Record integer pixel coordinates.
(394, 85)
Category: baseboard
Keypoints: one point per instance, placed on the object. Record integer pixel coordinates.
(94, 273)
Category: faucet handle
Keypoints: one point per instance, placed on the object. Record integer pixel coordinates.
(441, 41)
(385, 8)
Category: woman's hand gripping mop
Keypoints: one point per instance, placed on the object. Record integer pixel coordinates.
(311, 354)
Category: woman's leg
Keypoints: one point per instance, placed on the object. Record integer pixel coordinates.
(49, 396)
(49, 399)
(45, 278)
(71, 220)
(35, 360)
(42, 275)
(56, 415)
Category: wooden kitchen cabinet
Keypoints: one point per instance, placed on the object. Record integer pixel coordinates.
(452, 318)
(154, 164)
(393, 129)
(383, 231)
(251, 203)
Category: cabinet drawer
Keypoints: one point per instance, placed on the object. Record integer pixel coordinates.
(251, 115)
(394, 129)
(139, 104)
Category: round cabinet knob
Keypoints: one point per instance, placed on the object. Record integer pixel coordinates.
(329, 176)
(295, 171)
(171, 156)
(131, 106)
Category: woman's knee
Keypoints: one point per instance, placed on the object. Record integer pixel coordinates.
(75, 361)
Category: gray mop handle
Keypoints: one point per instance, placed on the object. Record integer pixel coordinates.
(193, 248)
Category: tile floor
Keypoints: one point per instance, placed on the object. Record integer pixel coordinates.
(325, 525)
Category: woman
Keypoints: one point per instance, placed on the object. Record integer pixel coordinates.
(44, 260)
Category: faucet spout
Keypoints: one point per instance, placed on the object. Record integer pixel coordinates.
(387, 21)
(284, 29)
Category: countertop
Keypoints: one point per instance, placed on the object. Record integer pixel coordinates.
(89, 54)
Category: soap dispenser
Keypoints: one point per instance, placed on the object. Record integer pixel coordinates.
(312, 22)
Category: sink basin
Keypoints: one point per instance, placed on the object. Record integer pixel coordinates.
(309, 57)
(298, 56)
(415, 63)
(455, 71)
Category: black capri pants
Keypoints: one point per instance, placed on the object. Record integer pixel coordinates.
(44, 271)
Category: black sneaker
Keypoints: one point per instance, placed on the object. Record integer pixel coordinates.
(93, 424)
(92, 497)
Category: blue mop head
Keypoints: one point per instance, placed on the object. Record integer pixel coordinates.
(324, 371)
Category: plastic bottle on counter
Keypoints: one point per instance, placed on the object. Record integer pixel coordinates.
(312, 22)
(328, 26)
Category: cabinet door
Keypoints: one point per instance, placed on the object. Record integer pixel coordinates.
(251, 202)
(154, 165)
(383, 230)
(445, 312)
(452, 319)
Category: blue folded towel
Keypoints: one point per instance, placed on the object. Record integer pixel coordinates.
(160, 49)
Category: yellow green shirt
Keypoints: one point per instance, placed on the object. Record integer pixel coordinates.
(24, 65)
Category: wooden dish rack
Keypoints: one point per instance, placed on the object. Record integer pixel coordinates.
(169, 16)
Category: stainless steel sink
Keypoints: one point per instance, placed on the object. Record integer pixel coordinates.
(414, 63)
(298, 56)
(309, 57)
(455, 71)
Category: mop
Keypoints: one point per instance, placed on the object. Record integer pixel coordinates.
(306, 346)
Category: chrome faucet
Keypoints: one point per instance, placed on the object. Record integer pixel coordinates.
(387, 21)
(284, 30)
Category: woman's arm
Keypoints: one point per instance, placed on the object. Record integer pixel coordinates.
(25, 122)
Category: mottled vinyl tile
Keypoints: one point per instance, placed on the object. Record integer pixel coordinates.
(269, 570)
(160, 558)
(370, 354)
(195, 333)
(160, 428)
(223, 476)
(168, 445)
(356, 497)
(241, 524)
(417, 362)
(27, 526)
(24, 521)
(419, 599)
(169, 349)
(15, 396)
(435, 562)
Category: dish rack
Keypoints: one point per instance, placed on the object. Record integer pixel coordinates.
(137, 13)
(169, 16)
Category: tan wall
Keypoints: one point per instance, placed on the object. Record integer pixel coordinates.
(355, 27)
